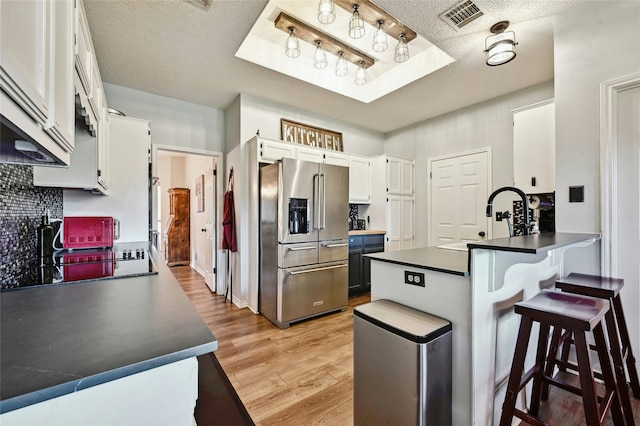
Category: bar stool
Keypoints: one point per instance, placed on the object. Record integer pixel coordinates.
(618, 336)
(607, 288)
(578, 315)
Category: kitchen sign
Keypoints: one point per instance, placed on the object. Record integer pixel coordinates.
(316, 137)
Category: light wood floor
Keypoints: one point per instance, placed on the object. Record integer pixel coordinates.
(304, 375)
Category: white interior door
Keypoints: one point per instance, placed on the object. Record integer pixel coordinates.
(458, 193)
(209, 248)
(627, 209)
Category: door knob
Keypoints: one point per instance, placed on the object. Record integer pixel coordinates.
(481, 233)
(204, 230)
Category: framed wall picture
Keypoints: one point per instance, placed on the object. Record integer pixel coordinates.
(200, 193)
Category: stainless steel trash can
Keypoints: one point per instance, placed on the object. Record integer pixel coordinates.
(402, 366)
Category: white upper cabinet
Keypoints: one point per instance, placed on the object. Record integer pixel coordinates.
(90, 168)
(336, 158)
(534, 159)
(36, 73)
(83, 49)
(61, 122)
(270, 151)
(359, 180)
(309, 154)
(26, 31)
(399, 176)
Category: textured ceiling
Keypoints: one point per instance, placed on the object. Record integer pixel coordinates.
(176, 49)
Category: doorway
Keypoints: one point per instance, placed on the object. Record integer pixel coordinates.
(458, 190)
(196, 171)
(620, 188)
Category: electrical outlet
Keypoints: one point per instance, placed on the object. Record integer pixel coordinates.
(499, 216)
(414, 278)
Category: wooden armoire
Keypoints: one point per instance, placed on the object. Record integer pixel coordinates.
(176, 238)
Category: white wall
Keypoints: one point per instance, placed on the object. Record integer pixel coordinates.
(489, 124)
(173, 122)
(597, 42)
(594, 42)
(128, 182)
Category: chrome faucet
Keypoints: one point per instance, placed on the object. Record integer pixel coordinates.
(525, 202)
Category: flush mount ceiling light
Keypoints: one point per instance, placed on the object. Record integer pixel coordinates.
(380, 38)
(292, 46)
(326, 12)
(500, 46)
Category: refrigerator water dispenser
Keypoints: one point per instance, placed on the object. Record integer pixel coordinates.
(298, 216)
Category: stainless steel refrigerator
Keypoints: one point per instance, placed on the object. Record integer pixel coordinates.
(304, 245)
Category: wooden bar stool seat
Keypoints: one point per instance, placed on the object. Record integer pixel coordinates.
(579, 315)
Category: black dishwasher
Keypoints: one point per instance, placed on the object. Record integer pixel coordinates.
(360, 266)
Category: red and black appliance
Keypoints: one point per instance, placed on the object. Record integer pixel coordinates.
(84, 232)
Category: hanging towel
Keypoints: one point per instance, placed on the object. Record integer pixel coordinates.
(229, 218)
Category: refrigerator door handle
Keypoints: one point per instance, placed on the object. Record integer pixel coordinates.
(301, 248)
(324, 202)
(316, 201)
(336, 245)
(306, 271)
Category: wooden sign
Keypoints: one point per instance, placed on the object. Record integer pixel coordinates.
(316, 137)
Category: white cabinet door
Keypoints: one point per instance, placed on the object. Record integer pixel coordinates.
(406, 185)
(407, 215)
(83, 49)
(394, 228)
(394, 175)
(336, 158)
(61, 123)
(273, 151)
(25, 34)
(359, 180)
(103, 146)
(534, 164)
(309, 154)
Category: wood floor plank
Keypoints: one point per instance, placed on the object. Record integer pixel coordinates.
(303, 375)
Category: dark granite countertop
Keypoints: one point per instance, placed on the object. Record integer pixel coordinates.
(534, 244)
(457, 262)
(59, 339)
(432, 258)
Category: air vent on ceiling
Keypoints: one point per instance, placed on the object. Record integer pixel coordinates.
(461, 14)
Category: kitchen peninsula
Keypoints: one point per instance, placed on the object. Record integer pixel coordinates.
(476, 291)
(118, 351)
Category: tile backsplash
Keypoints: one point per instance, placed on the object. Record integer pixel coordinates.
(22, 206)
